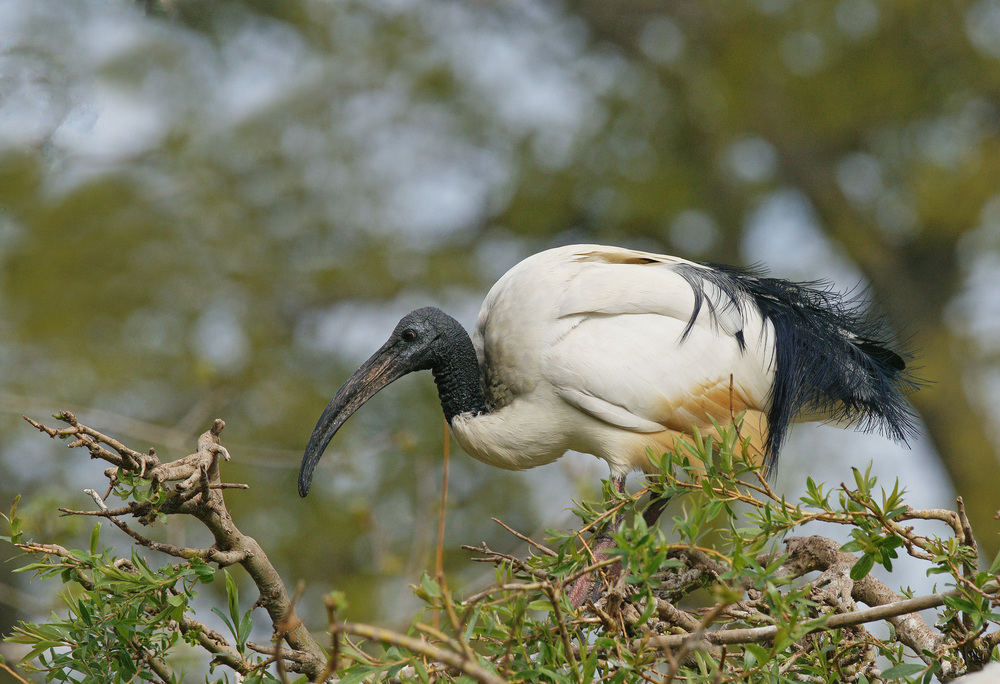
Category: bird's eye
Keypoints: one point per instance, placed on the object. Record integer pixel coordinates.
(409, 335)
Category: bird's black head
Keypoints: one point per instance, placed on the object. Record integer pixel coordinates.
(425, 339)
(420, 340)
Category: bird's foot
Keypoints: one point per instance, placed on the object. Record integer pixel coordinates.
(589, 587)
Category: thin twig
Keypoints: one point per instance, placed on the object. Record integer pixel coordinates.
(107, 513)
(97, 499)
(223, 558)
(445, 458)
(496, 557)
(284, 626)
(77, 429)
(456, 624)
(439, 549)
(538, 586)
(544, 549)
(6, 668)
(469, 667)
(554, 593)
(331, 662)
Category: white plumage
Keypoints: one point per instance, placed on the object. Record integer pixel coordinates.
(584, 348)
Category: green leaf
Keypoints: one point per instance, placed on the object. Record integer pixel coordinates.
(903, 670)
(360, 673)
(225, 618)
(995, 565)
(246, 625)
(605, 643)
(15, 522)
(233, 599)
(204, 571)
(95, 536)
(431, 588)
(647, 612)
(961, 603)
(861, 569)
(895, 512)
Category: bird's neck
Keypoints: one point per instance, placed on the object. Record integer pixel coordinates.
(456, 374)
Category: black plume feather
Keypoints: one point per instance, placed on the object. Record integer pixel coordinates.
(831, 359)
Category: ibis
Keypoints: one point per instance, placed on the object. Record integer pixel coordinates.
(618, 353)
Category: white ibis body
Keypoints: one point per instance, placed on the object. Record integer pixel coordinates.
(612, 351)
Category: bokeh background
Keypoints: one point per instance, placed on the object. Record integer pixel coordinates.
(218, 209)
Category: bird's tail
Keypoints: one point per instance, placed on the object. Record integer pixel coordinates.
(831, 360)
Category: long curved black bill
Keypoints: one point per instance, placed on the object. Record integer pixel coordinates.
(381, 369)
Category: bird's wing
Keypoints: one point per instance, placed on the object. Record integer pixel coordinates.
(639, 372)
(606, 283)
(637, 346)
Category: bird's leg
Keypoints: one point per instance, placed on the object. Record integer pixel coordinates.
(653, 511)
(586, 587)
(603, 540)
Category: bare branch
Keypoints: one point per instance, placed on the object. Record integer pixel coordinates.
(752, 635)
(92, 440)
(544, 549)
(214, 643)
(97, 499)
(497, 558)
(107, 513)
(6, 668)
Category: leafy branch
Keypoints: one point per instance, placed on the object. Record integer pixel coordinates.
(144, 612)
(765, 620)
(737, 594)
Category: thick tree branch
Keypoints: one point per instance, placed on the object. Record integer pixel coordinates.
(752, 635)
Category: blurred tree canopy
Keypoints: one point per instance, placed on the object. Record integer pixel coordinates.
(218, 208)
